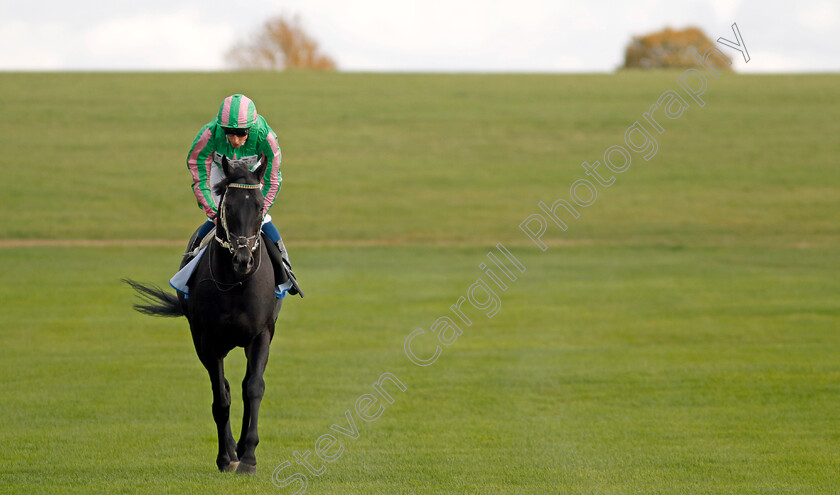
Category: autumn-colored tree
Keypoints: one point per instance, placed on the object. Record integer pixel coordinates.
(670, 49)
(281, 44)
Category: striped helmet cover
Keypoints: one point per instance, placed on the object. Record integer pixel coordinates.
(237, 111)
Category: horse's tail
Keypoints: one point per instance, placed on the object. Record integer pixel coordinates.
(155, 301)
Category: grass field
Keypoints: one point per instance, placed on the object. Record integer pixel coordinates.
(680, 337)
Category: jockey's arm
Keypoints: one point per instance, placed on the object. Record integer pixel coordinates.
(200, 162)
(272, 179)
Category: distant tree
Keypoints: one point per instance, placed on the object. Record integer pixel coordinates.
(281, 44)
(669, 49)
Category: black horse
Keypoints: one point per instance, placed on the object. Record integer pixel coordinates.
(231, 303)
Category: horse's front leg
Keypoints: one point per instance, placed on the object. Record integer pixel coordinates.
(226, 460)
(246, 414)
(253, 389)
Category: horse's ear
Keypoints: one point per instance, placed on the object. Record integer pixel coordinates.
(260, 171)
(226, 168)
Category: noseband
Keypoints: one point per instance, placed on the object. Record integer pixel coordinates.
(236, 242)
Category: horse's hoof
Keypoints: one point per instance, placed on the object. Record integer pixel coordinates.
(243, 468)
(233, 466)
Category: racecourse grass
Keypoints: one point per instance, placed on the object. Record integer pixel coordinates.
(429, 158)
(680, 337)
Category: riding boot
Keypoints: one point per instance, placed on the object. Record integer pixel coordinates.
(287, 266)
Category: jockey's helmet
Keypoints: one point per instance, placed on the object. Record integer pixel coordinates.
(237, 112)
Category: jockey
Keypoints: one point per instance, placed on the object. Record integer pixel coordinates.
(245, 138)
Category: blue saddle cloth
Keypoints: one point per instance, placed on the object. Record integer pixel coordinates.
(179, 281)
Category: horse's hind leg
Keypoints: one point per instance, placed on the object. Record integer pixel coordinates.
(253, 389)
(226, 460)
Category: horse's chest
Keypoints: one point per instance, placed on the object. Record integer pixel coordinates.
(238, 325)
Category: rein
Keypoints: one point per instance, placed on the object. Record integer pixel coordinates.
(241, 240)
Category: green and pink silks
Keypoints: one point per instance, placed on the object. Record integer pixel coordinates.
(205, 156)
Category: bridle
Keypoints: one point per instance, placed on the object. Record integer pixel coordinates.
(235, 242)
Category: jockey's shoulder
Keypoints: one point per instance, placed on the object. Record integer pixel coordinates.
(261, 127)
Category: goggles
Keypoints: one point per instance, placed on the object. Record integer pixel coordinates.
(229, 131)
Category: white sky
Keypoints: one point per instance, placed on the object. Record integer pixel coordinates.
(408, 35)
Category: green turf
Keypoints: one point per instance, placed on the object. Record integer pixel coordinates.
(429, 157)
(680, 337)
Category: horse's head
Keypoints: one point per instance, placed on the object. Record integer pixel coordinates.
(240, 213)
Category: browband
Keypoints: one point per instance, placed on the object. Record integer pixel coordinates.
(244, 186)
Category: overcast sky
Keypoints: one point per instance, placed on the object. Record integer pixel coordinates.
(406, 35)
